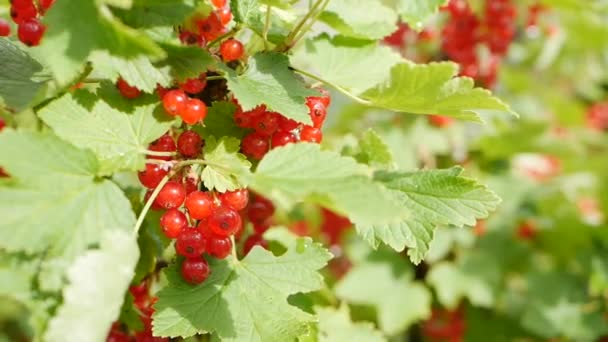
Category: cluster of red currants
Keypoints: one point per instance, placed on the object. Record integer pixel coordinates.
(26, 14)
(597, 116)
(201, 31)
(445, 325)
(272, 129)
(464, 31)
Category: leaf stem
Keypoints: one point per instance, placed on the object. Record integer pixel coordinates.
(308, 26)
(215, 77)
(267, 26)
(236, 259)
(288, 41)
(159, 153)
(335, 86)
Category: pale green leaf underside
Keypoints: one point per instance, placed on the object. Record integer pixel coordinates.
(137, 72)
(335, 325)
(226, 165)
(374, 151)
(98, 281)
(246, 300)
(368, 19)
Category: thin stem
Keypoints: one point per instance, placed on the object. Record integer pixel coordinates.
(144, 211)
(159, 153)
(224, 36)
(92, 80)
(335, 86)
(308, 26)
(215, 77)
(234, 248)
(267, 26)
(300, 24)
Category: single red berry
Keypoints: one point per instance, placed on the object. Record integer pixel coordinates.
(163, 144)
(255, 145)
(172, 195)
(225, 15)
(236, 200)
(219, 246)
(127, 90)
(194, 85)
(261, 227)
(311, 134)
(225, 221)
(191, 38)
(260, 209)
(195, 271)
(317, 111)
(151, 176)
(440, 120)
(200, 205)
(195, 111)
(189, 144)
(45, 5)
(254, 240)
(155, 206)
(231, 50)
(5, 28)
(30, 32)
(190, 243)
(218, 3)
(211, 27)
(266, 123)
(526, 231)
(23, 11)
(139, 291)
(173, 222)
(174, 102)
(190, 185)
(282, 138)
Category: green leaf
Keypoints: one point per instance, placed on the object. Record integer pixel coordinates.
(373, 151)
(385, 282)
(16, 275)
(154, 13)
(138, 72)
(226, 166)
(279, 3)
(21, 76)
(243, 300)
(98, 281)
(269, 81)
(335, 325)
(76, 29)
(119, 138)
(439, 198)
(185, 62)
(220, 121)
(126, 4)
(246, 11)
(367, 19)
(416, 12)
(334, 61)
(302, 171)
(433, 89)
(453, 284)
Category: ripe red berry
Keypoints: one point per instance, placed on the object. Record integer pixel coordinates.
(189, 144)
(163, 144)
(317, 111)
(526, 231)
(155, 206)
(190, 185)
(5, 28)
(151, 175)
(172, 195)
(254, 240)
(266, 124)
(211, 27)
(190, 243)
(30, 32)
(440, 120)
(195, 111)
(231, 50)
(225, 15)
(173, 222)
(195, 271)
(255, 145)
(174, 101)
(23, 11)
(261, 227)
(127, 90)
(191, 38)
(45, 5)
(219, 246)
(311, 134)
(161, 91)
(116, 335)
(260, 209)
(225, 221)
(282, 138)
(218, 3)
(200, 205)
(236, 200)
(194, 85)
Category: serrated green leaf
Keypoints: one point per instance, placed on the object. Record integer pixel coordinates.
(302, 171)
(367, 19)
(439, 198)
(416, 12)
(220, 121)
(373, 151)
(119, 138)
(138, 72)
(98, 281)
(155, 13)
(246, 11)
(76, 29)
(226, 166)
(335, 325)
(56, 205)
(386, 283)
(185, 62)
(243, 300)
(21, 76)
(334, 61)
(269, 81)
(433, 89)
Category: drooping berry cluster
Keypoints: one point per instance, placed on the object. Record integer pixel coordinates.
(272, 129)
(26, 14)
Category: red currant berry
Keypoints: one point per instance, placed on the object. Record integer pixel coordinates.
(255, 145)
(194, 85)
(190, 38)
(195, 271)
(46, 4)
(311, 134)
(151, 176)
(5, 28)
(155, 206)
(254, 240)
(127, 90)
(236, 200)
(286, 124)
(30, 32)
(189, 144)
(440, 120)
(116, 335)
(218, 3)
(225, 15)
(161, 91)
(163, 144)
(231, 50)
(172, 195)
(260, 209)
(190, 185)
(200, 205)
(261, 227)
(23, 11)
(2, 124)
(174, 101)
(318, 111)
(211, 27)
(225, 221)
(282, 138)
(173, 222)
(139, 291)
(190, 243)
(195, 111)
(219, 246)
(325, 97)
(266, 123)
